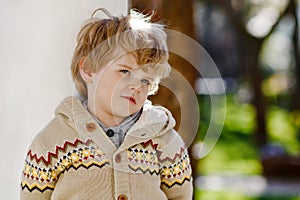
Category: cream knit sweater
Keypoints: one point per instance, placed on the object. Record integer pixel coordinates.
(72, 158)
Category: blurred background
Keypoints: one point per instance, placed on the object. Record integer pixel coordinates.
(255, 45)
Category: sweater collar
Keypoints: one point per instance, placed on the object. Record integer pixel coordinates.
(123, 127)
(153, 121)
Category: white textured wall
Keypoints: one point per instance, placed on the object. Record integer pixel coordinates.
(37, 39)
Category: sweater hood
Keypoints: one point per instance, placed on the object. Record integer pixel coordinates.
(154, 120)
(157, 120)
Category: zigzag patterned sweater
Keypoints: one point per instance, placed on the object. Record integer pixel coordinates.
(73, 158)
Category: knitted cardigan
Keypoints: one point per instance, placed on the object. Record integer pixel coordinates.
(72, 158)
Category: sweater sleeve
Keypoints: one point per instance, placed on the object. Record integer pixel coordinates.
(176, 173)
(41, 171)
(38, 176)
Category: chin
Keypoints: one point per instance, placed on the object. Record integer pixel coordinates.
(125, 113)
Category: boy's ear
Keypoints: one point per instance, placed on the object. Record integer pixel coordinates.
(86, 74)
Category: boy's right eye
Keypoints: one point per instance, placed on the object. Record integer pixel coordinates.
(125, 71)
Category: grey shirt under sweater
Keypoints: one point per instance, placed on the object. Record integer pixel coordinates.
(117, 133)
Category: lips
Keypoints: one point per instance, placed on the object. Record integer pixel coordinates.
(130, 99)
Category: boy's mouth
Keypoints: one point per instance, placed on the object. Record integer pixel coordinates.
(130, 99)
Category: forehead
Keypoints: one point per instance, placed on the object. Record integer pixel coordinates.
(126, 59)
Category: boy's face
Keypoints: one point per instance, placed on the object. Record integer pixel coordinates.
(119, 89)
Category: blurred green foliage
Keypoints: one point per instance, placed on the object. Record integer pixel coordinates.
(236, 151)
(230, 195)
(282, 129)
(236, 146)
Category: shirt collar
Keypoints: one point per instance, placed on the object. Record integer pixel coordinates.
(123, 127)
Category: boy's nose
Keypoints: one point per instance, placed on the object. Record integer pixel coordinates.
(135, 87)
(134, 84)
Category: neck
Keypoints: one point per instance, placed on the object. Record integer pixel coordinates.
(108, 120)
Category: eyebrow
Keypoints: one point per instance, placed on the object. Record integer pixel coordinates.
(125, 66)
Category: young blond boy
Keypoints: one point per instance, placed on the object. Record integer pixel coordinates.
(111, 143)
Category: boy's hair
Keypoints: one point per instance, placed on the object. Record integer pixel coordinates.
(99, 41)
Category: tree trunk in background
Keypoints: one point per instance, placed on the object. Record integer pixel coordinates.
(179, 17)
(295, 100)
(251, 47)
(250, 50)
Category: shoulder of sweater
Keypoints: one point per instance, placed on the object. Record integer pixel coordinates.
(170, 147)
(55, 135)
(170, 141)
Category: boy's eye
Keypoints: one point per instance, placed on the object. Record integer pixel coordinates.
(145, 82)
(125, 71)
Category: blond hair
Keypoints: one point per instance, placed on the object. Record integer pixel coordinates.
(98, 40)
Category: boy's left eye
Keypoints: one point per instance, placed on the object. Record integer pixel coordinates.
(145, 81)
